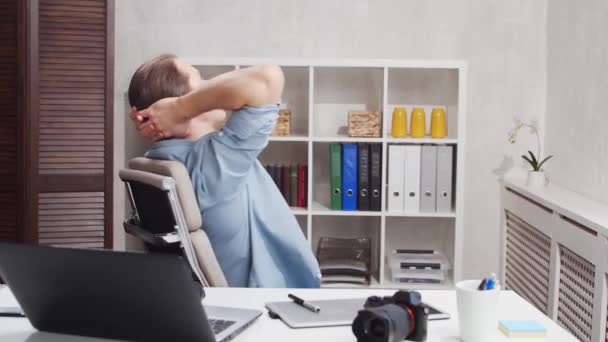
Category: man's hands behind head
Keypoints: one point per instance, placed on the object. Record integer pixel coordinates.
(163, 119)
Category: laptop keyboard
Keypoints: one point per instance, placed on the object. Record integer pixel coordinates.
(218, 325)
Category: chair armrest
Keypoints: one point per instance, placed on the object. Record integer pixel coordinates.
(146, 236)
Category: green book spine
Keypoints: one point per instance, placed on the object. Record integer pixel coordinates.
(335, 172)
(294, 186)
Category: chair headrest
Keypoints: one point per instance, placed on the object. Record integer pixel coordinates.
(183, 186)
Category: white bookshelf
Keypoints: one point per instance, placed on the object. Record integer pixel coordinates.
(319, 94)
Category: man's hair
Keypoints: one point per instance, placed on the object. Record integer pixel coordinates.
(156, 79)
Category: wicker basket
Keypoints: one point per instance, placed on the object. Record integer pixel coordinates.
(362, 123)
(283, 126)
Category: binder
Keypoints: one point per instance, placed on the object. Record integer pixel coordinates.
(411, 200)
(444, 178)
(375, 177)
(363, 200)
(396, 178)
(293, 199)
(428, 178)
(335, 170)
(286, 185)
(349, 177)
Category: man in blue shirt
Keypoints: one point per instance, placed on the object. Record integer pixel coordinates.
(254, 234)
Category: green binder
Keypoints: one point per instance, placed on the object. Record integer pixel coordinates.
(294, 186)
(335, 172)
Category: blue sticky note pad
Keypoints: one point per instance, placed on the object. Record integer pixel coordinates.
(522, 328)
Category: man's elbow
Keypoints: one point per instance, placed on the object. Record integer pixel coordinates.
(274, 81)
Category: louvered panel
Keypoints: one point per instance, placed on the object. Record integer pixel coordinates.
(8, 119)
(8, 216)
(8, 84)
(72, 57)
(71, 219)
(528, 262)
(575, 305)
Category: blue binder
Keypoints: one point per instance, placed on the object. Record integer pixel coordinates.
(349, 176)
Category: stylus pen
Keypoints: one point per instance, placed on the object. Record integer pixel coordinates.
(302, 302)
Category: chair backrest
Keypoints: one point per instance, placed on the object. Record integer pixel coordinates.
(183, 186)
(151, 183)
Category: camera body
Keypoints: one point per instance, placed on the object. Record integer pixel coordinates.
(392, 319)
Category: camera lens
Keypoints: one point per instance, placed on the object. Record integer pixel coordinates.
(377, 327)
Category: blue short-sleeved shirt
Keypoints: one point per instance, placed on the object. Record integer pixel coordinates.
(255, 236)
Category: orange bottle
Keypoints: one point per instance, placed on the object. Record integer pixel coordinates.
(418, 123)
(399, 123)
(438, 123)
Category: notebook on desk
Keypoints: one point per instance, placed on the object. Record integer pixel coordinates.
(336, 312)
(333, 313)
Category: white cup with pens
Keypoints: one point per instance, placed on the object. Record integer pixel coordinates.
(477, 309)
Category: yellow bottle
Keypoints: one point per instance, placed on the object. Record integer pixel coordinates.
(418, 123)
(438, 123)
(399, 123)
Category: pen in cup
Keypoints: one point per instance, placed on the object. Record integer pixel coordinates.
(482, 286)
(488, 283)
(491, 282)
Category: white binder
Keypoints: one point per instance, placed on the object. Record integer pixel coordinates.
(411, 201)
(444, 178)
(428, 178)
(396, 162)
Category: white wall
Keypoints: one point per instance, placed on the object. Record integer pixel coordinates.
(577, 95)
(503, 41)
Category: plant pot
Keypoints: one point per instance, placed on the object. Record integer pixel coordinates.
(536, 179)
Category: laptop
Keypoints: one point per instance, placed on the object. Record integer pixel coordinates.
(115, 295)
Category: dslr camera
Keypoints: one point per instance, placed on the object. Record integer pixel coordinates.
(392, 319)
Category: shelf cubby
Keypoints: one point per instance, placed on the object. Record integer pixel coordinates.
(337, 90)
(418, 233)
(285, 153)
(349, 227)
(295, 98)
(426, 88)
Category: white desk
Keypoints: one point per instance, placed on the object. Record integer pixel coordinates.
(266, 329)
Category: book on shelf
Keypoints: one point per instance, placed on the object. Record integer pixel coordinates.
(286, 183)
(302, 185)
(278, 176)
(291, 180)
(293, 199)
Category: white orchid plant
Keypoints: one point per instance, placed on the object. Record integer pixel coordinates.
(535, 161)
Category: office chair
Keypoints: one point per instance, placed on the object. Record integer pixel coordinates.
(166, 215)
